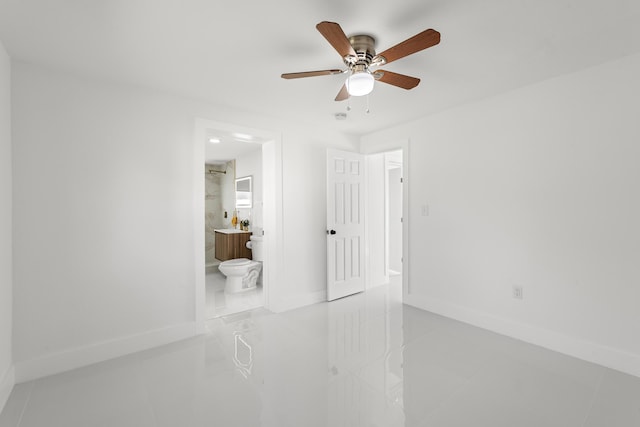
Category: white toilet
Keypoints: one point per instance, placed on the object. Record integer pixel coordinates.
(242, 273)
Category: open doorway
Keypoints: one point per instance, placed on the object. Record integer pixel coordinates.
(233, 227)
(387, 218)
(235, 224)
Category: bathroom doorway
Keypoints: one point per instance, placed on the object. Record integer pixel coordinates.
(387, 218)
(236, 215)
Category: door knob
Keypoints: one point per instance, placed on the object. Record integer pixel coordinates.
(331, 231)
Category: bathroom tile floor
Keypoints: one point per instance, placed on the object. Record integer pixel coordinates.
(365, 360)
(221, 304)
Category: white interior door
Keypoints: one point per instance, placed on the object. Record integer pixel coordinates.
(345, 223)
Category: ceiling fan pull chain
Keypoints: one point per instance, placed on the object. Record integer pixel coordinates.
(367, 110)
(349, 104)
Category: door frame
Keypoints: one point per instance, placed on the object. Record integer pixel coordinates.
(272, 211)
(383, 147)
(389, 165)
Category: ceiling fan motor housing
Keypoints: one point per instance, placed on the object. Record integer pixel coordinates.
(364, 45)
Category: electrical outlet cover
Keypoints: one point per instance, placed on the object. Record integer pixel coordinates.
(517, 292)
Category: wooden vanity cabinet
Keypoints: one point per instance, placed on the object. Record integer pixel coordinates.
(232, 245)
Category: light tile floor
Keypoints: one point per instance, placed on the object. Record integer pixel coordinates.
(365, 360)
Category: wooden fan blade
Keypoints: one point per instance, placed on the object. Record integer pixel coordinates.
(310, 74)
(419, 42)
(399, 80)
(343, 94)
(336, 37)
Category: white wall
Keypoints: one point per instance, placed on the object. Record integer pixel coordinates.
(102, 196)
(104, 217)
(6, 363)
(375, 221)
(538, 188)
(394, 218)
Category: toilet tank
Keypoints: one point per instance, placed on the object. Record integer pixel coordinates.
(257, 251)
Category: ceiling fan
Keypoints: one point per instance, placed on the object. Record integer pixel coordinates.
(359, 55)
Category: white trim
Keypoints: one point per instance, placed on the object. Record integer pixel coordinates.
(199, 225)
(385, 171)
(86, 355)
(406, 219)
(368, 276)
(6, 385)
(273, 220)
(389, 165)
(298, 301)
(595, 353)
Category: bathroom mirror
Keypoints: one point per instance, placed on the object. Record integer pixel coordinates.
(243, 192)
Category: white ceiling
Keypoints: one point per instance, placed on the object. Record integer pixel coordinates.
(232, 53)
(222, 146)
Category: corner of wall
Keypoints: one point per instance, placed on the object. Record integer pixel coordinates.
(51, 364)
(589, 351)
(280, 305)
(7, 371)
(6, 385)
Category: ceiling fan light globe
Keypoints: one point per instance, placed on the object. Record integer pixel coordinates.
(360, 84)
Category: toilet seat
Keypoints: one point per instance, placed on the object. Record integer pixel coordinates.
(236, 262)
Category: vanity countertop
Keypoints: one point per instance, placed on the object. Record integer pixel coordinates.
(230, 230)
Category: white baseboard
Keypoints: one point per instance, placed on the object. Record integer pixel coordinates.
(382, 280)
(291, 303)
(609, 357)
(51, 364)
(6, 385)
